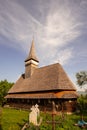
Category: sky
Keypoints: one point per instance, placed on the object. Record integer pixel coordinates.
(59, 29)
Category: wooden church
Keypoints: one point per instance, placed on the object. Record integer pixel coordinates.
(42, 86)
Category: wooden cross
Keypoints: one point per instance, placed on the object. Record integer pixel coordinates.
(53, 122)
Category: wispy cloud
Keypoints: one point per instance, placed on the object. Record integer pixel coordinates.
(16, 23)
(52, 36)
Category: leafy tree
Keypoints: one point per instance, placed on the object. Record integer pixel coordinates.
(82, 103)
(82, 100)
(81, 78)
(4, 87)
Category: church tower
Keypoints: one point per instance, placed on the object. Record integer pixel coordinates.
(31, 63)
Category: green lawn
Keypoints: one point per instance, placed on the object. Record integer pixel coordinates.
(13, 119)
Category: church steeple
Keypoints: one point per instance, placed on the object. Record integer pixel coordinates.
(32, 53)
(31, 63)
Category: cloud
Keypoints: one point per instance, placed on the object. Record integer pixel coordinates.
(17, 24)
(65, 55)
(52, 36)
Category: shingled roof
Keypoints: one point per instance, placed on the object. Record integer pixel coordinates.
(52, 77)
(46, 95)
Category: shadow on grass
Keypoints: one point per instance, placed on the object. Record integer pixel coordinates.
(22, 124)
(1, 127)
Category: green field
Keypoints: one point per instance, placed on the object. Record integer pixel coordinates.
(12, 119)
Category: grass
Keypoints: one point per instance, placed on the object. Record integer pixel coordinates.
(13, 119)
(66, 124)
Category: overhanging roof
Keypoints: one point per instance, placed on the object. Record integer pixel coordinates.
(47, 95)
(66, 94)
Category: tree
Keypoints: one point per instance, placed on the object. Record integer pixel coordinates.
(4, 87)
(81, 81)
(82, 104)
(81, 78)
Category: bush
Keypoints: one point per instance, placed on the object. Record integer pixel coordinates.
(4, 87)
(82, 103)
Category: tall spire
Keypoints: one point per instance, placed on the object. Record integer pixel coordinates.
(31, 63)
(32, 53)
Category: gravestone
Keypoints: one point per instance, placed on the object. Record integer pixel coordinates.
(34, 114)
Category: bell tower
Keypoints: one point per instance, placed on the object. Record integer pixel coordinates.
(31, 63)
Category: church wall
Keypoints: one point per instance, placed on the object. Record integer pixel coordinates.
(65, 105)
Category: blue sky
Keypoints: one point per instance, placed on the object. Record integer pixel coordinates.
(59, 28)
